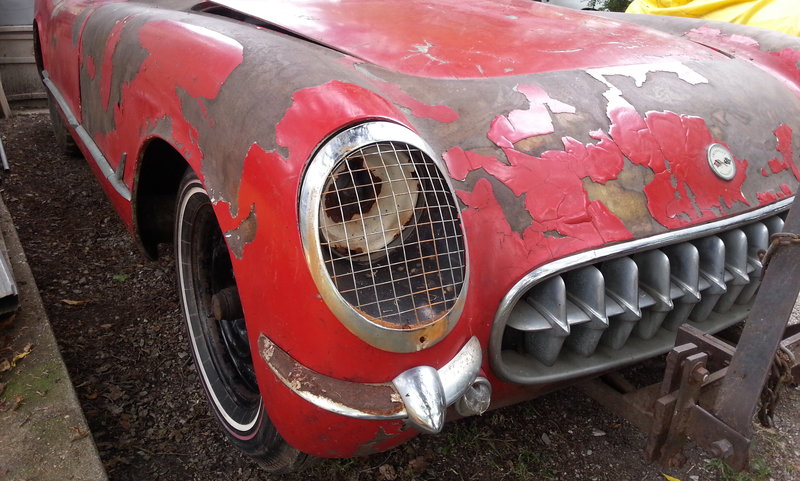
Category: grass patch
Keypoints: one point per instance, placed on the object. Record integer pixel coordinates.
(759, 470)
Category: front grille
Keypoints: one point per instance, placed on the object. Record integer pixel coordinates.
(602, 315)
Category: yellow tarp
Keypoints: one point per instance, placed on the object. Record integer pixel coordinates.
(780, 15)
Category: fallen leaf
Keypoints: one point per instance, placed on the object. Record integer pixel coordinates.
(70, 302)
(387, 472)
(78, 433)
(418, 465)
(106, 326)
(121, 277)
(17, 403)
(114, 393)
(91, 395)
(25, 351)
(670, 478)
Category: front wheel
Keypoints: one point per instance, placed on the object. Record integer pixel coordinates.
(217, 332)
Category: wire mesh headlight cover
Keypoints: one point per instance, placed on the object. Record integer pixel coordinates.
(383, 238)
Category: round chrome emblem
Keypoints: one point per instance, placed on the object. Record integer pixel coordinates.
(721, 161)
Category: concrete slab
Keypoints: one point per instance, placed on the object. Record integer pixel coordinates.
(43, 432)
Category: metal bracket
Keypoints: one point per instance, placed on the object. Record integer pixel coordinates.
(710, 389)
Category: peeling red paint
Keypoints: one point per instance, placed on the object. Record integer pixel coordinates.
(90, 68)
(461, 162)
(534, 246)
(167, 63)
(107, 64)
(783, 64)
(521, 124)
(687, 189)
(784, 136)
(272, 272)
(714, 35)
(684, 188)
(554, 195)
(439, 113)
(631, 133)
(788, 55)
(277, 252)
(768, 197)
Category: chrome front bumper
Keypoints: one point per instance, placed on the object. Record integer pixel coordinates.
(421, 395)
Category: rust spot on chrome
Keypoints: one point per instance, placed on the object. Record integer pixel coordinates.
(369, 399)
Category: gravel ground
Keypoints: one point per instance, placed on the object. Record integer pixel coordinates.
(117, 321)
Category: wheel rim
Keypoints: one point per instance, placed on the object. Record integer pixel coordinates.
(204, 269)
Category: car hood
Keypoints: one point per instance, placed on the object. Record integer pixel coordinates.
(456, 39)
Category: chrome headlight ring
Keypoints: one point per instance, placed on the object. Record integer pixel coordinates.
(382, 235)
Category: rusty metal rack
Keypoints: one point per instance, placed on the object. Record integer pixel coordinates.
(711, 389)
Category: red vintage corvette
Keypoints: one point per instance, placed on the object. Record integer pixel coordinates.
(386, 214)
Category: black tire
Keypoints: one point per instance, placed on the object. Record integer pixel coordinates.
(204, 270)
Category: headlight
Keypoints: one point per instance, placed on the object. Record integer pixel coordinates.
(383, 238)
(368, 201)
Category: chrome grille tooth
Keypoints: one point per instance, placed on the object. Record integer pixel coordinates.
(654, 279)
(685, 262)
(586, 289)
(736, 264)
(712, 269)
(774, 224)
(575, 315)
(757, 239)
(526, 318)
(622, 289)
(550, 299)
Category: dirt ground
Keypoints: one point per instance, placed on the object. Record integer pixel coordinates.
(116, 319)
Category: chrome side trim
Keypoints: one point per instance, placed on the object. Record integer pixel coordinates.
(113, 177)
(597, 255)
(421, 394)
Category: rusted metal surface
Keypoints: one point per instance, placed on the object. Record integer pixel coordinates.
(740, 391)
(683, 405)
(378, 400)
(791, 346)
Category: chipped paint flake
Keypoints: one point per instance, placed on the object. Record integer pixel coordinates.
(784, 136)
(166, 43)
(439, 113)
(784, 64)
(424, 50)
(90, 67)
(107, 65)
(674, 147)
(706, 34)
(639, 75)
(461, 162)
(239, 237)
(522, 124)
